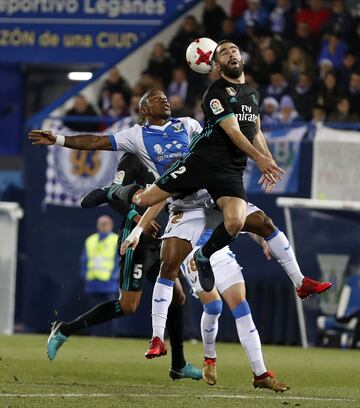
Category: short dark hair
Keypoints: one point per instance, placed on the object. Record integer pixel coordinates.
(225, 41)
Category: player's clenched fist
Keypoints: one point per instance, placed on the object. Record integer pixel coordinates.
(42, 137)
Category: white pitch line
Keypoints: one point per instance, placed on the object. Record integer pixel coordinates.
(219, 396)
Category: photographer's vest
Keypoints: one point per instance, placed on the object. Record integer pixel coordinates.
(100, 257)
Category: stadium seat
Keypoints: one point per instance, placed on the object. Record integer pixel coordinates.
(346, 321)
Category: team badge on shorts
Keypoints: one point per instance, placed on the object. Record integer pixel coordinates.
(230, 90)
(216, 107)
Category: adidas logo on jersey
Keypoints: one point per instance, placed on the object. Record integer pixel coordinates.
(233, 100)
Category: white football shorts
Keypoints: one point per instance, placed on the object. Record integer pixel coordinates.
(227, 271)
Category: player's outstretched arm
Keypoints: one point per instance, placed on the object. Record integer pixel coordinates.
(269, 169)
(261, 144)
(133, 239)
(80, 142)
(259, 140)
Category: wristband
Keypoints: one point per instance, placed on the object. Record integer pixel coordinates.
(131, 214)
(137, 231)
(60, 140)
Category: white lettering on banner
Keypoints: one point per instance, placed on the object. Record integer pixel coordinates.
(336, 165)
(109, 8)
(10, 7)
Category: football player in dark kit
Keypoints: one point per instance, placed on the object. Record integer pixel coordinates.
(135, 266)
(218, 156)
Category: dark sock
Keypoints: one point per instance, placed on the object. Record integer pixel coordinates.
(175, 328)
(219, 239)
(101, 313)
(125, 193)
(94, 198)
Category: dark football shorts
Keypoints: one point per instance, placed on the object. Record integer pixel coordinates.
(138, 264)
(193, 173)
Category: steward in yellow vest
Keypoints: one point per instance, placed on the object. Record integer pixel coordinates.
(100, 263)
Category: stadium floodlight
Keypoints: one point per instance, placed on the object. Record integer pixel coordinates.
(80, 76)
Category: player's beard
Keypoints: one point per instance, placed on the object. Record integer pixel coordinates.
(232, 72)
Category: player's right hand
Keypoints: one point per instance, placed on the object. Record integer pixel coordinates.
(130, 242)
(42, 137)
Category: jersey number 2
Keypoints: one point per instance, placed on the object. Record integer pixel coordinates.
(180, 170)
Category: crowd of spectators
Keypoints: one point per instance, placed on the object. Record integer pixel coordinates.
(303, 57)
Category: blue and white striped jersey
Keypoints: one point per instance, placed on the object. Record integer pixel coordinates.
(159, 146)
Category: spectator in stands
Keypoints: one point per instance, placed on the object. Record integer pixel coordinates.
(160, 63)
(212, 19)
(318, 115)
(179, 84)
(113, 83)
(333, 49)
(188, 31)
(268, 63)
(228, 31)
(237, 8)
(296, 64)
(198, 113)
(349, 65)
(287, 114)
(82, 110)
(340, 20)
(328, 93)
(282, 19)
(178, 108)
(269, 109)
(354, 39)
(99, 267)
(254, 14)
(342, 113)
(305, 40)
(118, 106)
(353, 92)
(304, 95)
(146, 82)
(325, 67)
(278, 87)
(315, 14)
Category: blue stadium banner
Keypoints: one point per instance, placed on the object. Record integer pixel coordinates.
(285, 148)
(80, 30)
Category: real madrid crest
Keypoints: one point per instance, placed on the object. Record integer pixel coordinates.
(230, 90)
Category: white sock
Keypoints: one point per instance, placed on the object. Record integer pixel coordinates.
(209, 330)
(249, 337)
(282, 251)
(161, 299)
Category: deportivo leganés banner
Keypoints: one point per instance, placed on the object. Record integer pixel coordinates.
(285, 148)
(80, 30)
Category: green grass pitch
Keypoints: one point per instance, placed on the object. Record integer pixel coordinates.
(94, 372)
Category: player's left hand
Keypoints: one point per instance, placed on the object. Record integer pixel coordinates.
(130, 242)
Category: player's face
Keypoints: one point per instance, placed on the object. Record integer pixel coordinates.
(158, 106)
(230, 60)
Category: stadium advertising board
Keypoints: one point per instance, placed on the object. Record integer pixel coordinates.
(80, 30)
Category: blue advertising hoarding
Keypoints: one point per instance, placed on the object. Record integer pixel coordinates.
(80, 30)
